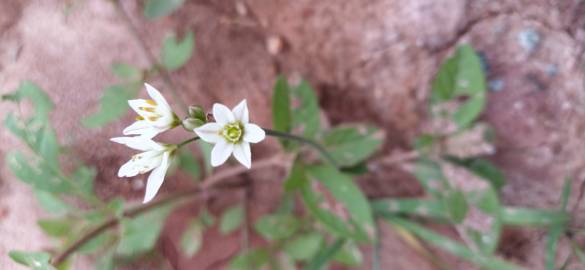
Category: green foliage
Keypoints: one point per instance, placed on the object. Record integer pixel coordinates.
(192, 237)
(325, 255)
(456, 205)
(277, 226)
(305, 116)
(349, 255)
(281, 110)
(484, 169)
(250, 260)
(351, 145)
(113, 105)
(305, 246)
(140, 233)
(189, 163)
(127, 72)
(461, 76)
(175, 53)
(56, 227)
(231, 219)
(34, 260)
(154, 9)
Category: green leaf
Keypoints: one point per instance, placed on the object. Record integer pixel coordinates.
(231, 219)
(192, 238)
(35, 260)
(206, 154)
(351, 145)
(106, 261)
(97, 243)
(174, 53)
(140, 233)
(566, 193)
(189, 163)
(41, 101)
(325, 256)
(424, 208)
(487, 202)
(430, 175)
(451, 246)
(56, 227)
(36, 175)
(533, 217)
(250, 260)
(305, 116)
(277, 226)
(484, 169)
(52, 203)
(456, 205)
(281, 110)
(461, 76)
(552, 243)
(48, 146)
(305, 246)
(126, 72)
(84, 177)
(158, 8)
(346, 192)
(349, 255)
(297, 177)
(113, 105)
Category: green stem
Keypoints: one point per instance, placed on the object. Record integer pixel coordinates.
(315, 145)
(187, 141)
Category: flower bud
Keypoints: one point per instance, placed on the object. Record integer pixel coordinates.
(197, 112)
(191, 123)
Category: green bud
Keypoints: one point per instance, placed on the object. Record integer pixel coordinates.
(190, 123)
(197, 113)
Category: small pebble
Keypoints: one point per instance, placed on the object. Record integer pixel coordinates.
(496, 85)
(274, 44)
(529, 39)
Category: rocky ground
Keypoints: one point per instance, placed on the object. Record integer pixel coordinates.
(370, 61)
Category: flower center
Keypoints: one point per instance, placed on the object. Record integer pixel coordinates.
(233, 132)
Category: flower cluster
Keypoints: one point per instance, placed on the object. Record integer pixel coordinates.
(232, 133)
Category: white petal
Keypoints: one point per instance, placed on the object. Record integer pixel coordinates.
(253, 133)
(129, 169)
(243, 154)
(222, 114)
(136, 104)
(209, 132)
(138, 142)
(156, 178)
(221, 152)
(157, 96)
(241, 112)
(143, 128)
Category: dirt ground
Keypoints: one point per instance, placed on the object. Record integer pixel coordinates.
(370, 61)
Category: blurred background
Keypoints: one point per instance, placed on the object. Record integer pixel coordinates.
(368, 61)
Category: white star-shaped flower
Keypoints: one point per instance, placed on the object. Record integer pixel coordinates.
(154, 115)
(155, 156)
(232, 133)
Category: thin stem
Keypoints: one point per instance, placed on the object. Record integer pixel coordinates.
(187, 141)
(203, 188)
(309, 142)
(150, 57)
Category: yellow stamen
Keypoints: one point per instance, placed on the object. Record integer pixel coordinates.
(151, 102)
(139, 118)
(153, 118)
(147, 109)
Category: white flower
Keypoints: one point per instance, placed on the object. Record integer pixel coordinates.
(232, 133)
(155, 156)
(154, 115)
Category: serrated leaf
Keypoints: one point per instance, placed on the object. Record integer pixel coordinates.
(113, 105)
(305, 116)
(139, 234)
(158, 8)
(34, 260)
(277, 226)
(41, 101)
(192, 238)
(37, 175)
(304, 247)
(351, 145)
(126, 72)
(52, 203)
(174, 53)
(84, 177)
(461, 76)
(281, 108)
(231, 219)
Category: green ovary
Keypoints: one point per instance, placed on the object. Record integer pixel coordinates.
(233, 132)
